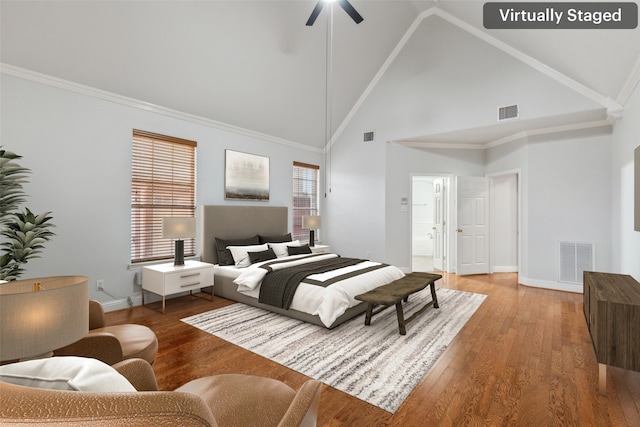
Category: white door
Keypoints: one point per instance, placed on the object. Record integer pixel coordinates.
(473, 225)
(438, 226)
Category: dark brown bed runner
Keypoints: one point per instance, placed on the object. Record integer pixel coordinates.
(279, 286)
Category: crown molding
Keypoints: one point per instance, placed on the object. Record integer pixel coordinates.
(25, 74)
(630, 84)
(510, 138)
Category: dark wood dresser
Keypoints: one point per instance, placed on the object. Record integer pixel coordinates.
(612, 310)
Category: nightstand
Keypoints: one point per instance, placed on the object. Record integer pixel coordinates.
(169, 279)
(321, 249)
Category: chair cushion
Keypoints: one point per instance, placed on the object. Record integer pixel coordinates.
(243, 400)
(66, 373)
(137, 341)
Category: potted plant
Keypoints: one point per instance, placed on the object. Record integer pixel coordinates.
(23, 233)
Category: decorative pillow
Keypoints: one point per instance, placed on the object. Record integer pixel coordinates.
(299, 250)
(262, 256)
(275, 239)
(224, 255)
(66, 373)
(241, 253)
(281, 248)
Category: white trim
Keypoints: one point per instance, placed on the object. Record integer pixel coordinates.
(630, 84)
(121, 303)
(510, 138)
(55, 82)
(505, 269)
(554, 286)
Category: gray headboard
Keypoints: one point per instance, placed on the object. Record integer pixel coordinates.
(229, 222)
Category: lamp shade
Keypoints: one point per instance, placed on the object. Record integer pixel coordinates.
(311, 222)
(40, 315)
(178, 227)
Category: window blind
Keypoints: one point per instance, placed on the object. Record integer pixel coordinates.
(305, 197)
(163, 184)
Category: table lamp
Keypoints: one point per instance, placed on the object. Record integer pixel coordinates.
(40, 315)
(311, 223)
(178, 228)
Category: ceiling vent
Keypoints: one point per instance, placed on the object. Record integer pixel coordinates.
(368, 136)
(508, 112)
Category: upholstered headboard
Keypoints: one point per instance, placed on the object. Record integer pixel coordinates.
(236, 222)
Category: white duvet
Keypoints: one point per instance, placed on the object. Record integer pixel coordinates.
(328, 303)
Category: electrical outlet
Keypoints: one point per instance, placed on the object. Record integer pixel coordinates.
(100, 285)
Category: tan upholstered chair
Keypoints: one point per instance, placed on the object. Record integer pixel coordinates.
(112, 344)
(219, 400)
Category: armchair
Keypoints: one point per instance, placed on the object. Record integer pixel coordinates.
(219, 400)
(112, 344)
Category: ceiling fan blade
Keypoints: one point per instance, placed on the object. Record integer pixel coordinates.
(351, 11)
(315, 13)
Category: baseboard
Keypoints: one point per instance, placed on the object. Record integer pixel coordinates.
(505, 268)
(556, 286)
(121, 303)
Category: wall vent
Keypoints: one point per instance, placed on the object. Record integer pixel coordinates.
(575, 259)
(508, 112)
(368, 136)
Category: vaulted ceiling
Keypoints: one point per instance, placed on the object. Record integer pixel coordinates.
(255, 65)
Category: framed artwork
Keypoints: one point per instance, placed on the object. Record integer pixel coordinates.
(246, 176)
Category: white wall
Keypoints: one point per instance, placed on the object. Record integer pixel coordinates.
(569, 186)
(79, 150)
(626, 241)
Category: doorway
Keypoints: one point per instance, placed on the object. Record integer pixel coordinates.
(433, 242)
(429, 210)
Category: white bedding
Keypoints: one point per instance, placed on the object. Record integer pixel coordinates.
(327, 303)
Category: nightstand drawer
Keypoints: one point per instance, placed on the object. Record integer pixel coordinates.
(186, 281)
(321, 249)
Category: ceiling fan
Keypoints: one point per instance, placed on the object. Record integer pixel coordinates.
(343, 3)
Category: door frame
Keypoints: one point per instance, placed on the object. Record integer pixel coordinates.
(449, 247)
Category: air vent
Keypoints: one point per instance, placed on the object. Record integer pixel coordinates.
(368, 136)
(575, 259)
(508, 112)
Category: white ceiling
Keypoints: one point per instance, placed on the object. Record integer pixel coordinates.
(255, 65)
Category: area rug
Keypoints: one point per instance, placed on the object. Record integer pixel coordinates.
(373, 363)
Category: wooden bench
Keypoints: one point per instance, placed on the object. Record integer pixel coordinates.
(397, 291)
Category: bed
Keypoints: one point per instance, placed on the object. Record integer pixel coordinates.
(243, 222)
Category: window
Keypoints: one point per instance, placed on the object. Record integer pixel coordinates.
(163, 184)
(305, 197)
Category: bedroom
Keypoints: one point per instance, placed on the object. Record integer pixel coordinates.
(76, 136)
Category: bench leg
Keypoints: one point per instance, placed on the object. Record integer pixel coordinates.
(401, 324)
(367, 319)
(433, 295)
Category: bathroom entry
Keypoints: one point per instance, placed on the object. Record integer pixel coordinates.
(428, 228)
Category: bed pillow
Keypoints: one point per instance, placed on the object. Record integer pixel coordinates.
(299, 250)
(66, 373)
(275, 239)
(262, 256)
(241, 253)
(281, 248)
(224, 255)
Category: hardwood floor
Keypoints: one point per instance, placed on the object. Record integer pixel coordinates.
(524, 359)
